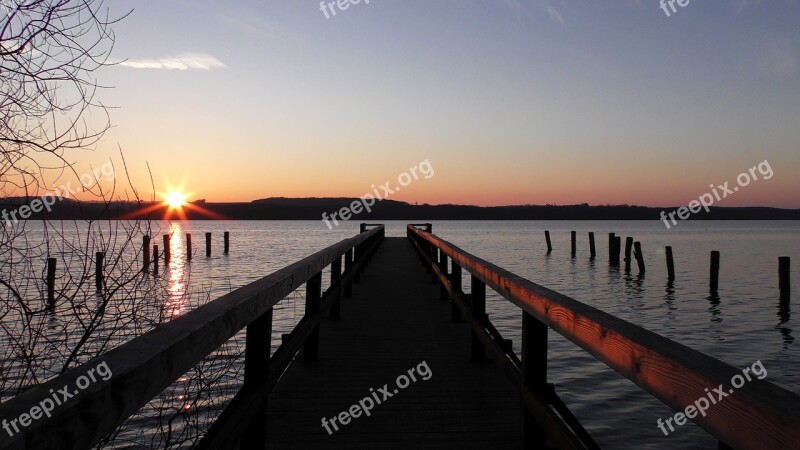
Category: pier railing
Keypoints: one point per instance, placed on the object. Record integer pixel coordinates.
(142, 368)
(756, 415)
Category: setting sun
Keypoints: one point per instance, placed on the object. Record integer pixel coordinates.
(175, 200)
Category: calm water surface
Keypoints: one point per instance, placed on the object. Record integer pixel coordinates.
(739, 326)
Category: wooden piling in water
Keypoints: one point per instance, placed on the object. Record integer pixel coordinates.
(145, 253)
(167, 254)
(670, 264)
(628, 249)
(784, 280)
(188, 246)
(547, 238)
(227, 238)
(714, 278)
(155, 259)
(98, 270)
(639, 257)
(208, 244)
(611, 248)
(51, 281)
(574, 246)
(617, 249)
(592, 252)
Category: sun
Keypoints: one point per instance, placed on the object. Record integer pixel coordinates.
(175, 200)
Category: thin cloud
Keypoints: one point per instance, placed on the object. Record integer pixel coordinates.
(185, 61)
(519, 8)
(554, 14)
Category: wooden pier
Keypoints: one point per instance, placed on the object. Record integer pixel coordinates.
(392, 305)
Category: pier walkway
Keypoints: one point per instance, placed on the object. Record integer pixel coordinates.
(395, 321)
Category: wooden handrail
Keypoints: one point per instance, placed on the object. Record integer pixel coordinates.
(757, 415)
(145, 366)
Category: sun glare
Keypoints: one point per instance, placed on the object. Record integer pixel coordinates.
(175, 200)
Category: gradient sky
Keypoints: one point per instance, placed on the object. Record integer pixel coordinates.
(511, 101)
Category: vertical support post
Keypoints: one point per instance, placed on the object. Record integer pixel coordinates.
(443, 270)
(145, 253)
(227, 240)
(784, 279)
(98, 270)
(455, 280)
(358, 256)
(670, 264)
(429, 227)
(166, 249)
(51, 281)
(435, 258)
(628, 250)
(547, 239)
(617, 249)
(256, 371)
(348, 267)
(188, 246)
(208, 245)
(592, 250)
(574, 246)
(637, 246)
(478, 315)
(611, 248)
(313, 294)
(714, 278)
(336, 283)
(534, 374)
(362, 228)
(155, 259)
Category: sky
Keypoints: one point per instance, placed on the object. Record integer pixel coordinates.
(510, 101)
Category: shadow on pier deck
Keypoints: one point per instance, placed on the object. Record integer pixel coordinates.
(395, 321)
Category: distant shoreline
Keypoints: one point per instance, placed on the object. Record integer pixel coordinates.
(313, 208)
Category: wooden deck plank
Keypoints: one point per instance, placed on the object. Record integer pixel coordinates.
(395, 321)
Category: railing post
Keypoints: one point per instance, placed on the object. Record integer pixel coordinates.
(434, 259)
(478, 297)
(256, 371)
(455, 280)
(534, 375)
(348, 267)
(443, 270)
(358, 256)
(362, 228)
(313, 294)
(336, 283)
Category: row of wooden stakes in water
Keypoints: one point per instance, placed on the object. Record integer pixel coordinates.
(100, 256)
(615, 248)
(167, 253)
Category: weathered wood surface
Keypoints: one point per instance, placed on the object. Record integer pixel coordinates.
(394, 321)
(756, 416)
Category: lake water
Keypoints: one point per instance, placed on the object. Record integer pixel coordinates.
(739, 326)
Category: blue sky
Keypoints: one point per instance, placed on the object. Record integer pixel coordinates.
(512, 101)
